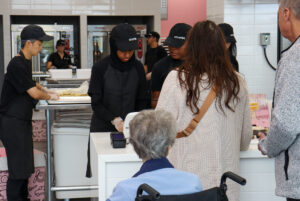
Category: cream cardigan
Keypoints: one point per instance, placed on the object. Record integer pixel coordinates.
(214, 146)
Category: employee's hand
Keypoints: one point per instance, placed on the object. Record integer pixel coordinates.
(54, 96)
(52, 67)
(120, 126)
(48, 91)
(118, 123)
(148, 76)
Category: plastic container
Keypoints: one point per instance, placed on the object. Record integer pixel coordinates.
(61, 73)
(70, 162)
(83, 74)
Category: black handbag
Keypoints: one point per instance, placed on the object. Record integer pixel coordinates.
(212, 194)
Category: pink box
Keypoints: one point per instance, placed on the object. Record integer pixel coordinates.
(36, 185)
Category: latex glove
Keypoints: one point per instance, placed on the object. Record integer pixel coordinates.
(48, 91)
(53, 96)
(148, 76)
(118, 123)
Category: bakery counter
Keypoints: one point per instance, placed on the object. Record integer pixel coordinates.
(115, 165)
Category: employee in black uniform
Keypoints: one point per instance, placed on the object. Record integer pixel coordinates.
(118, 82)
(154, 53)
(19, 96)
(230, 44)
(59, 59)
(176, 42)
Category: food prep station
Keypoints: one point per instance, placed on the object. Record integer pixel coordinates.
(67, 133)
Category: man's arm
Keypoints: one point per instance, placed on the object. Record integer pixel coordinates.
(41, 93)
(154, 98)
(38, 94)
(146, 68)
(285, 118)
(49, 65)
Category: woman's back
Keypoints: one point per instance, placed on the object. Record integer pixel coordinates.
(214, 146)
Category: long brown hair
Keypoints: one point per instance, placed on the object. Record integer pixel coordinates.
(206, 54)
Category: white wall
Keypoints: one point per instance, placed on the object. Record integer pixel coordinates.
(82, 8)
(249, 18)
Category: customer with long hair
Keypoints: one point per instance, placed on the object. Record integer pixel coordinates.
(214, 146)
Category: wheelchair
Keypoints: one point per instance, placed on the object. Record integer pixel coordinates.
(212, 194)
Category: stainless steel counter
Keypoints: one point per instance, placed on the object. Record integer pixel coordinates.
(43, 105)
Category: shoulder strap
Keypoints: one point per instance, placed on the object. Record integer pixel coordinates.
(191, 127)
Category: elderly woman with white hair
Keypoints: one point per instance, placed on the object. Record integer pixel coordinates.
(152, 133)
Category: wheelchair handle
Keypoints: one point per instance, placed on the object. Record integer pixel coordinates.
(148, 189)
(233, 177)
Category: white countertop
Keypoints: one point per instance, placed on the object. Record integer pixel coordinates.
(115, 165)
(253, 151)
(104, 149)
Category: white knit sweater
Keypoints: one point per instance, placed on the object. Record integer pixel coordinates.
(214, 146)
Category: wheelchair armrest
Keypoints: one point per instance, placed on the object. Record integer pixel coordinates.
(148, 189)
(233, 177)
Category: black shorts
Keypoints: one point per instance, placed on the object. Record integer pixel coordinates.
(16, 136)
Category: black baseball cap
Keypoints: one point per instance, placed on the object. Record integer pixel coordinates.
(34, 32)
(60, 42)
(154, 34)
(177, 35)
(228, 32)
(125, 37)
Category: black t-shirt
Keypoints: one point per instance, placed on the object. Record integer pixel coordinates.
(58, 62)
(161, 70)
(153, 55)
(15, 101)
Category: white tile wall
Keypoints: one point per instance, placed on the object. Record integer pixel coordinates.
(249, 18)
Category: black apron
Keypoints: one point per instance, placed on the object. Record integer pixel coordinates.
(16, 135)
(119, 93)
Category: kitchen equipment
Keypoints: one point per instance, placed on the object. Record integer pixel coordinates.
(39, 62)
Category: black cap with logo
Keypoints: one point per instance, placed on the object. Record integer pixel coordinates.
(34, 32)
(177, 35)
(228, 32)
(153, 34)
(125, 37)
(60, 42)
